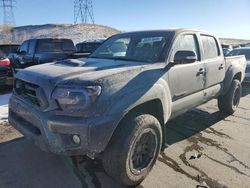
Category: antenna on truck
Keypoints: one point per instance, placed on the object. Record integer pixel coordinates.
(83, 11)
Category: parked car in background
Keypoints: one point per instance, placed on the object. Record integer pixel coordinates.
(39, 51)
(246, 52)
(226, 51)
(5, 65)
(5, 50)
(5, 76)
(247, 45)
(88, 46)
(114, 105)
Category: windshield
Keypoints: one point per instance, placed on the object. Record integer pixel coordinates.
(57, 45)
(145, 47)
(245, 52)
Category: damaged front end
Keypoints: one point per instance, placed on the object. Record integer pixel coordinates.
(62, 122)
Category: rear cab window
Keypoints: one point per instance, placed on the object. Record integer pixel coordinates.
(55, 45)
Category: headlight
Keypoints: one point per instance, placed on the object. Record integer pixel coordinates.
(73, 100)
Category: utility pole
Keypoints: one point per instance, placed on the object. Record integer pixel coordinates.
(8, 14)
(83, 11)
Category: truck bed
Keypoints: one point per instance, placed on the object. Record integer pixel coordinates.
(234, 64)
(238, 61)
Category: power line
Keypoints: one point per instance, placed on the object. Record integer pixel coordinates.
(83, 11)
(8, 14)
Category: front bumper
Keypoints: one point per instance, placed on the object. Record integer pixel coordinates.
(54, 133)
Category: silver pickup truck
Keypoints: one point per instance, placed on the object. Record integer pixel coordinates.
(114, 105)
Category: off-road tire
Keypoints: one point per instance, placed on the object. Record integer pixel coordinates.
(229, 102)
(117, 158)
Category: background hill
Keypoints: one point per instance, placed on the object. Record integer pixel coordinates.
(233, 42)
(77, 33)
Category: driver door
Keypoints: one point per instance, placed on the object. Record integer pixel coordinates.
(186, 81)
(22, 55)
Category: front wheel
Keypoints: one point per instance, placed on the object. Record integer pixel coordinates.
(133, 149)
(228, 103)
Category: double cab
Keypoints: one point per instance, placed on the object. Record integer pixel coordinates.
(114, 105)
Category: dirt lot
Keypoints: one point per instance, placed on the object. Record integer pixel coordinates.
(205, 148)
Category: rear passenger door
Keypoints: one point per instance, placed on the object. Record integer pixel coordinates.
(214, 64)
(186, 81)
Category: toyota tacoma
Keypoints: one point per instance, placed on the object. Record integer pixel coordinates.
(114, 105)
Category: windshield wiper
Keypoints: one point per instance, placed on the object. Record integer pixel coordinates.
(117, 58)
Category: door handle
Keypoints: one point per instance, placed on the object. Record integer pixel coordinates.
(201, 71)
(221, 67)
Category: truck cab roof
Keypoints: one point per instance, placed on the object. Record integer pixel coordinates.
(174, 31)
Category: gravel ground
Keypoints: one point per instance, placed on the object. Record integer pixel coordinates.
(7, 132)
(205, 148)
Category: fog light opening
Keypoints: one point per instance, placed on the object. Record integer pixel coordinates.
(76, 139)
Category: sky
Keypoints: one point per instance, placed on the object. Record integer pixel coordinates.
(224, 18)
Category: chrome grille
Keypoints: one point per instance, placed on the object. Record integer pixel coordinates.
(28, 91)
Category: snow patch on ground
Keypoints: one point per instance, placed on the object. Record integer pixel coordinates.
(4, 100)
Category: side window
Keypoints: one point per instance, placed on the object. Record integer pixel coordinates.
(186, 42)
(24, 47)
(210, 47)
(79, 47)
(32, 46)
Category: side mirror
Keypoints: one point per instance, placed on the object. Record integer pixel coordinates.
(183, 57)
(22, 52)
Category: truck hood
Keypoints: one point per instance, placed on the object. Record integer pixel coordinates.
(73, 71)
(117, 78)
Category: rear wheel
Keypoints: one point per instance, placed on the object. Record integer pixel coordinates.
(133, 149)
(228, 103)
